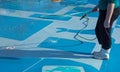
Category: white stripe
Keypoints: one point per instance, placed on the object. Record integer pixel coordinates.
(32, 66)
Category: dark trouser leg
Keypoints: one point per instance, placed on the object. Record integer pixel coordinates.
(102, 33)
(100, 21)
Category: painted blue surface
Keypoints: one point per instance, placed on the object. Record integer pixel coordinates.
(67, 45)
(20, 28)
(16, 65)
(45, 6)
(55, 17)
(112, 64)
(91, 32)
(93, 1)
(79, 9)
(82, 11)
(21, 64)
(118, 23)
(73, 2)
(62, 62)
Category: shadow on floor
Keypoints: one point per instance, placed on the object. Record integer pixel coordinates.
(43, 53)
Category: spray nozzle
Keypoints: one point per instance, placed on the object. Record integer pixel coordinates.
(86, 14)
(83, 16)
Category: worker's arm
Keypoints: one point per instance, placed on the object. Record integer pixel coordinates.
(110, 9)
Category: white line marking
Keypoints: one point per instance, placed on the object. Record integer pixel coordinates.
(32, 65)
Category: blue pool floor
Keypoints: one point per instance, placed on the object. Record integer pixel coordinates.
(40, 36)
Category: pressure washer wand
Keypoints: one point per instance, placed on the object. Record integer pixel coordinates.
(85, 15)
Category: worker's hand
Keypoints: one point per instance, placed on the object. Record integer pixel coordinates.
(107, 24)
(95, 9)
